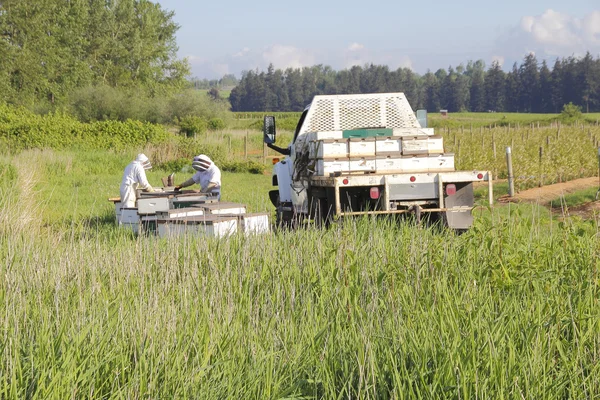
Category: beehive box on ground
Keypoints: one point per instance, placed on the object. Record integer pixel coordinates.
(254, 223)
(130, 218)
(224, 208)
(152, 205)
(181, 213)
(206, 225)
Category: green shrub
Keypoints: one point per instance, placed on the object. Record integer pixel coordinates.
(570, 113)
(216, 124)
(192, 125)
(8, 173)
(252, 167)
(21, 129)
(178, 165)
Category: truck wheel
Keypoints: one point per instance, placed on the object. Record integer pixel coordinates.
(284, 219)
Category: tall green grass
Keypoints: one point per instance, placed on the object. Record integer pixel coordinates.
(369, 308)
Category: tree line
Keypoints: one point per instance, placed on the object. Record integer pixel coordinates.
(50, 48)
(530, 86)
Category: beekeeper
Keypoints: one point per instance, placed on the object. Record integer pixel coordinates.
(134, 178)
(208, 176)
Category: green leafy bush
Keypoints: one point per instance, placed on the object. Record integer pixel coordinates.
(216, 124)
(570, 113)
(252, 167)
(21, 129)
(192, 125)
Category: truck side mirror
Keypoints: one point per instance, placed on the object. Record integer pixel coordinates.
(269, 129)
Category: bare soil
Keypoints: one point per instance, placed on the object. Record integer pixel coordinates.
(545, 194)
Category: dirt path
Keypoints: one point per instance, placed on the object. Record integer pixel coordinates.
(545, 194)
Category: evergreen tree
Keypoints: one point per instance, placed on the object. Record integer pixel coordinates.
(476, 72)
(513, 90)
(495, 88)
(431, 89)
(545, 100)
(557, 85)
(529, 80)
(293, 79)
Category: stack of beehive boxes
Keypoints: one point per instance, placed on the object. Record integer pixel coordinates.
(378, 150)
(173, 214)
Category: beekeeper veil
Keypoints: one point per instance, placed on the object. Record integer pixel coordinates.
(201, 162)
(143, 159)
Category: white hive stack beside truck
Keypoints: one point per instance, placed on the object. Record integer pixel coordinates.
(168, 213)
(368, 154)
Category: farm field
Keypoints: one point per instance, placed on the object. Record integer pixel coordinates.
(368, 308)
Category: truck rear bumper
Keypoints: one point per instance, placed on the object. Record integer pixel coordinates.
(407, 190)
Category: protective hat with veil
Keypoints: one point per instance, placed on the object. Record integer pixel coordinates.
(208, 176)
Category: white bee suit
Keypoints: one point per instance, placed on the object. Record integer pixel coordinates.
(209, 180)
(208, 176)
(134, 177)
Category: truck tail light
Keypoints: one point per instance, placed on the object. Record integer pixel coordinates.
(450, 189)
(275, 160)
(374, 193)
(480, 176)
(413, 178)
(345, 181)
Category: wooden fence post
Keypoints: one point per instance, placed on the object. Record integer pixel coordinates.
(511, 178)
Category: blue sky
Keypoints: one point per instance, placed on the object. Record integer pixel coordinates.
(233, 36)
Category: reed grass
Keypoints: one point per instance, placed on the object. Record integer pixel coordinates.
(369, 308)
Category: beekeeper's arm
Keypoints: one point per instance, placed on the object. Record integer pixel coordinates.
(187, 183)
(209, 187)
(143, 182)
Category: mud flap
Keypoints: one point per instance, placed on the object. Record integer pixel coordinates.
(462, 201)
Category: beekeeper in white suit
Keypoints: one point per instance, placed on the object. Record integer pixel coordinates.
(134, 178)
(208, 176)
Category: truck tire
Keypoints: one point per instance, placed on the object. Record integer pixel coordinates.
(284, 218)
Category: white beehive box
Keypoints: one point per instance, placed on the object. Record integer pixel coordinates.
(181, 213)
(440, 162)
(389, 163)
(435, 144)
(130, 218)
(118, 205)
(223, 208)
(418, 163)
(328, 148)
(254, 223)
(413, 131)
(388, 144)
(361, 147)
(326, 166)
(415, 145)
(151, 205)
(207, 225)
(362, 164)
(325, 135)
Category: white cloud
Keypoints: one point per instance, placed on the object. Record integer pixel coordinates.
(356, 47)
(500, 60)
(554, 34)
(242, 53)
(221, 69)
(283, 57)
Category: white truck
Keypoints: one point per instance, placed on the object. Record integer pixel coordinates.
(368, 154)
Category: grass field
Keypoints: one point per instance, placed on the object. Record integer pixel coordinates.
(369, 308)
